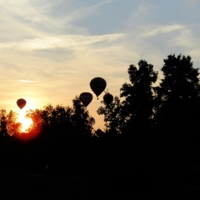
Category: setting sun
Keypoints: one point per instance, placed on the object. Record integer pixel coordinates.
(26, 122)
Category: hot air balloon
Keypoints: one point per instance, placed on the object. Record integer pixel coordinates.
(108, 98)
(98, 85)
(86, 98)
(21, 103)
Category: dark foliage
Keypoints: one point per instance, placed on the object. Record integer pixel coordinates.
(151, 134)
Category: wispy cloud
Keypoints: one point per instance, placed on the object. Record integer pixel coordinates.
(141, 14)
(68, 41)
(44, 18)
(161, 29)
(26, 81)
(85, 11)
(186, 39)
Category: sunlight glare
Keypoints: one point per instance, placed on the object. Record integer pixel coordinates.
(26, 122)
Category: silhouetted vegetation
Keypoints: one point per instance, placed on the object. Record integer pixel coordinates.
(150, 138)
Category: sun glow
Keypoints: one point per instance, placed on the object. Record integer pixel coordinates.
(25, 122)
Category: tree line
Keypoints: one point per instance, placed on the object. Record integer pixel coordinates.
(150, 124)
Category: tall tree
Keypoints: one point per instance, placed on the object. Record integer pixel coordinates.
(178, 103)
(138, 104)
(179, 89)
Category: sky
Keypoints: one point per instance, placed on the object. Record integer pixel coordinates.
(51, 50)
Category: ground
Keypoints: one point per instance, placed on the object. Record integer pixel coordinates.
(43, 187)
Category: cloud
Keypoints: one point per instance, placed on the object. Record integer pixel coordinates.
(69, 41)
(141, 15)
(161, 29)
(44, 18)
(85, 11)
(26, 81)
(185, 39)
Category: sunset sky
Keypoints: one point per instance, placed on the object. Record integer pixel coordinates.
(50, 50)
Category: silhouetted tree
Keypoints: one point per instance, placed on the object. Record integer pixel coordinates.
(8, 123)
(137, 108)
(37, 119)
(99, 133)
(3, 123)
(56, 128)
(64, 131)
(178, 106)
(112, 116)
(82, 122)
(133, 118)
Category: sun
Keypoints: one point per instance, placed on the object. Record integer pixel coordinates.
(25, 122)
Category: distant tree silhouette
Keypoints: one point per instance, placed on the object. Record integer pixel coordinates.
(99, 133)
(62, 130)
(37, 118)
(3, 123)
(112, 116)
(8, 123)
(82, 122)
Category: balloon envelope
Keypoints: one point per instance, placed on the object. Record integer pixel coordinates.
(108, 98)
(21, 103)
(86, 98)
(98, 85)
